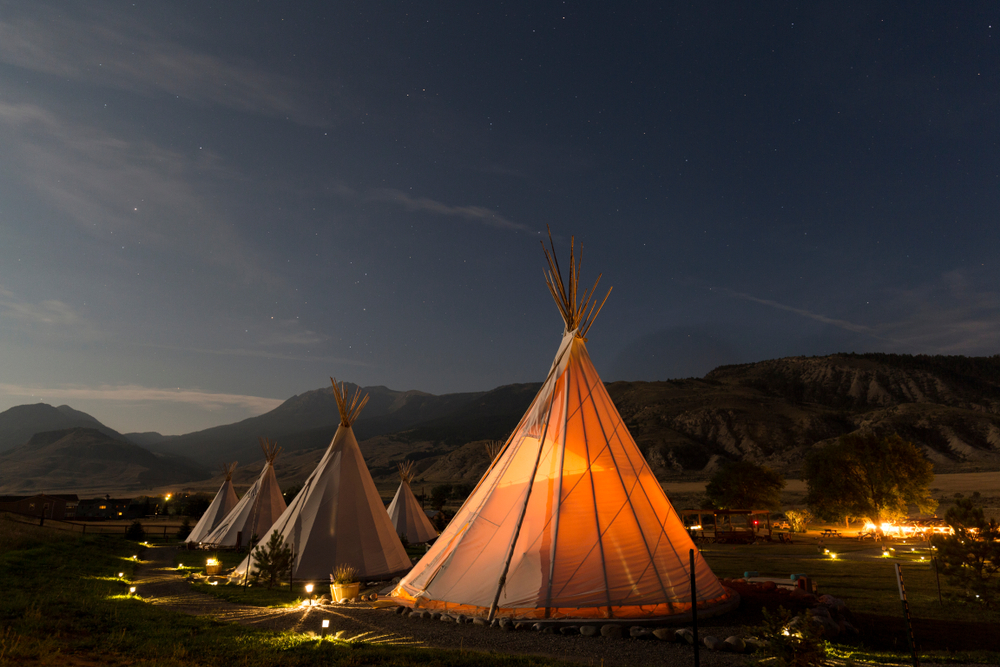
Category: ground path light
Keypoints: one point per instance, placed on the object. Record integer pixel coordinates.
(326, 626)
(131, 590)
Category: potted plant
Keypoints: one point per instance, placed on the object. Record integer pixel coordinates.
(343, 583)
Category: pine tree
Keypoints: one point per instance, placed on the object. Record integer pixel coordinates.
(273, 559)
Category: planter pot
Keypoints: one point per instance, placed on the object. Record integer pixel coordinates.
(342, 591)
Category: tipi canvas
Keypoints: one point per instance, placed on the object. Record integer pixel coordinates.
(407, 516)
(338, 517)
(223, 503)
(568, 522)
(257, 509)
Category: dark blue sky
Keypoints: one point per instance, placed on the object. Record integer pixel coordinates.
(205, 209)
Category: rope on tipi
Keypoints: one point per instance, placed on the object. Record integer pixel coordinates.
(493, 448)
(271, 449)
(578, 311)
(228, 469)
(405, 471)
(349, 409)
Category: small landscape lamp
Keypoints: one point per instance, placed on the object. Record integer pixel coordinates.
(131, 590)
(326, 626)
(121, 575)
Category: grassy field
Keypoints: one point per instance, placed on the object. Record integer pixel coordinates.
(63, 604)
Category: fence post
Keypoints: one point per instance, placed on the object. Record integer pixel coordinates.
(694, 609)
(906, 615)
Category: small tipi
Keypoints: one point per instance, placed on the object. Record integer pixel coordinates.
(257, 509)
(338, 517)
(407, 516)
(223, 503)
(569, 521)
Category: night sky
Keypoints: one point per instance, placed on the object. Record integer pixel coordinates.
(205, 209)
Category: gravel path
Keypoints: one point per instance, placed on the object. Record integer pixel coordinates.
(160, 584)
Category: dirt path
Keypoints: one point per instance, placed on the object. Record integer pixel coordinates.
(160, 584)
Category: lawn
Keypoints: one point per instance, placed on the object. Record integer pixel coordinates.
(63, 603)
(62, 597)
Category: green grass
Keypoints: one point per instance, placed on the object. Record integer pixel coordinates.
(867, 585)
(257, 596)
(61, 598)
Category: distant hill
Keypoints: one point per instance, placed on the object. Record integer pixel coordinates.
(771, 412)
(309, 420)
(87, 459)
(19, 423)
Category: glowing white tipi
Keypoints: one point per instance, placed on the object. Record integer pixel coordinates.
(257, 509)
(223, 503)
(569, 522)
(407, 516)
(338, 517)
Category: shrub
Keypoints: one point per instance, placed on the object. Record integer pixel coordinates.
(135, 531)
(791, 641)
(798, 519)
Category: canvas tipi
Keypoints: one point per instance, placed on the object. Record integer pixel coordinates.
(225, 500)
(568, 522)
(338, 517)
(407, 516)
(257, 509)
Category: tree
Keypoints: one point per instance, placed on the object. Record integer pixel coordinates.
(971, 557)
(184, 530)
(864, 475)
(273, 559)
(745, 485)
(440, 495)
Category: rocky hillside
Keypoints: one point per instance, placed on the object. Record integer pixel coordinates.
(771, 412)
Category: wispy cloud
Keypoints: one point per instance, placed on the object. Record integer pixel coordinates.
(258, 354)
(127, 191)
(289, 332)
(48, 312)
(139, 394)
(946, 315)
(950, 315)
(478, 214)
(843, 324)
(114, 47)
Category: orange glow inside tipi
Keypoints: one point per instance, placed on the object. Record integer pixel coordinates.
(569, 521)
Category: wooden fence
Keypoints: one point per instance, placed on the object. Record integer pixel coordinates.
(153, 532)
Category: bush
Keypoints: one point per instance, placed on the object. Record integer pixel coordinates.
(791, 641)
(798, 519)
(135, 532)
